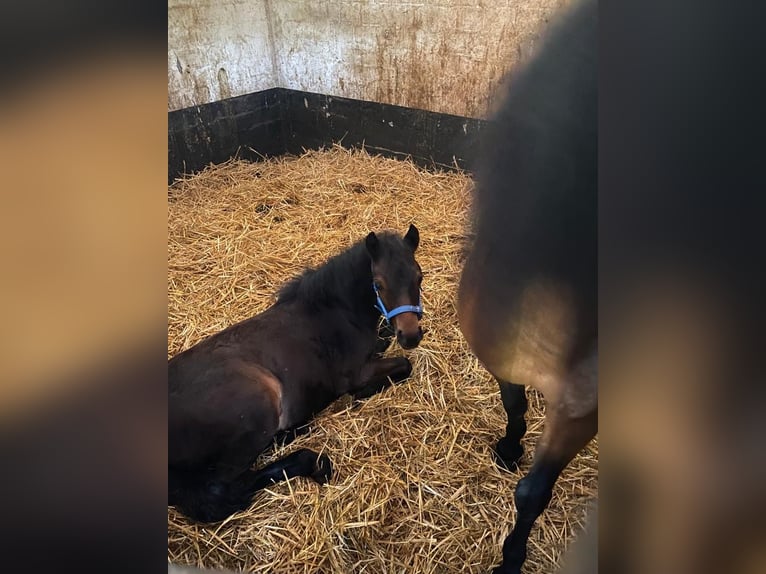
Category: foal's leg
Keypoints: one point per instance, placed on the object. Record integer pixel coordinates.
(285, 437)
(218, 499)
(508, 451)
(386, 336)
(378, 374)
(562, 439)
(303, 462)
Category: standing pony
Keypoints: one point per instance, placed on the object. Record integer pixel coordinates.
(527, 301)
(232, 393)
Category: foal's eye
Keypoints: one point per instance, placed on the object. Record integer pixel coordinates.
(378, 285)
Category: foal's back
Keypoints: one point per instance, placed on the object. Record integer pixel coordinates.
(220, 394)
(236, 384)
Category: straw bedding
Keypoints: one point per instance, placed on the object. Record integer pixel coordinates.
(414, 488)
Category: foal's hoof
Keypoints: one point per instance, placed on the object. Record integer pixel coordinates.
(406, 371)
(322, 469)
(507, 454)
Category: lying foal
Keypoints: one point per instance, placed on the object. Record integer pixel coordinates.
(231, 394)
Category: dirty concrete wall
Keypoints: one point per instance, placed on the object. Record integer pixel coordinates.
(440, 55)
(445, 56)
(217, 49)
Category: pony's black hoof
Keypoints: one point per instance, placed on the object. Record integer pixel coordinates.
(507, 454)
(322, 469)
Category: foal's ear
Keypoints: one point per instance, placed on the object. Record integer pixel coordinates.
(412, 237)
(373, 245)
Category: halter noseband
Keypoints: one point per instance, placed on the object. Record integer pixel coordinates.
(417, 309)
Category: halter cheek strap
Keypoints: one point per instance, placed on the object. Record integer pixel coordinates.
(417, 309)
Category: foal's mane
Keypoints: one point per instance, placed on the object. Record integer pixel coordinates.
(343, 280)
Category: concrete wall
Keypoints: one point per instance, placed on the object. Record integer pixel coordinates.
(217, 49)
(441, 55)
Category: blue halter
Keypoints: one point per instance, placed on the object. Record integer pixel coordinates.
(417, 309)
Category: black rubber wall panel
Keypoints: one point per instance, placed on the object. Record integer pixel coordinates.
(280, 121)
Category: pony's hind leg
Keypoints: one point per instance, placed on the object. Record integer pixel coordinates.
(508, 451)
(562, 438)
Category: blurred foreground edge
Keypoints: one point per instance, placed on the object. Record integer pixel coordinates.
(84, 480)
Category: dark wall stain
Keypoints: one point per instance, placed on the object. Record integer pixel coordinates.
(223, 84)
(424, 59)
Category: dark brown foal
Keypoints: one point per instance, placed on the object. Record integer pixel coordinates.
(232, 394)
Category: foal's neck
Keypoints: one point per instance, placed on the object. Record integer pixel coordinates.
(352, 281)
(344, 282)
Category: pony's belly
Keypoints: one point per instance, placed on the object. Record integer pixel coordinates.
(523, 337)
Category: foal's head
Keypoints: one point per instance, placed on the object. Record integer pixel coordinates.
(396, 278)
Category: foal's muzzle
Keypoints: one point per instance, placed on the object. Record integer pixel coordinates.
(405, 318)
(409, 333)
(409, 341)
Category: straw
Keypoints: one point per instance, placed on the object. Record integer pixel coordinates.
(414, 486)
